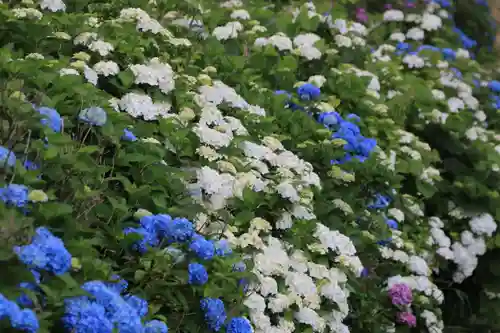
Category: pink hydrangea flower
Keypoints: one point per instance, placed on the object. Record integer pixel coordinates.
(407, 318)
(361, 15)
(400, 294)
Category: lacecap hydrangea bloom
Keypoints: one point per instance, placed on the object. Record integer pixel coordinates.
(46, 252)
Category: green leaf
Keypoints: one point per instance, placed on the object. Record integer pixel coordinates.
(89, 149)
(139, 275)
(127, 78)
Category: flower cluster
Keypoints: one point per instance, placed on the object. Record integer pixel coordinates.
(107, 310)
(160, 229)
(21, 319)
(357, 147)
(46, 252)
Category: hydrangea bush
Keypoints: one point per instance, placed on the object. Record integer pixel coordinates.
(242, 166)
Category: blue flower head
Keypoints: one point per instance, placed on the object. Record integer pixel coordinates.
(46, 252)
(197, 274)
(25, 320)
(148, 238)
(83, 315)
(223, 248)
(128, 136)
(366, 146)
(330, 119)
(50, 118)
(155, 326)
(29, 165)
(7, 157)
(138, 304)
(448, 54)
(239, 325)
(203, 248)
(457, 72)
(215, 313)
(178, 230)
(494, 86)
(427, 47)
(239, 267)
(380, 202)
(384, 242)
(391, 223)
(94, 116)
(14, 194)
(402, 47)
(21, 319)
(23, 299)
(117, 284)
(308, 91)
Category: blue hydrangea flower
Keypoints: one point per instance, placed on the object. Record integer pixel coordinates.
(330, 119)
(308, 91)
(384, 242)
(7, 157)
(139, 304)
(366, 146)
(128, 136)
(203, 248)
(15, 195)
(448, 54)
(391, 223)
(493, 85)
(197, 274)
(117, 312)
(179, 230)
(380, 202)
(239, 267)
(94, 116)
(29, 165)
(155, 326)
(46, 252)
(85, 316)
(50, 118)
(239, 325)
(223, 248)
(215, 313)
(20, 319)
(148, 238)
(402, 47)
(25, 320)
(457, 72)
(117, 284)
(23, 299)
(347, 131)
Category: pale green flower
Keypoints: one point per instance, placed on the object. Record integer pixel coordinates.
(38, 196)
